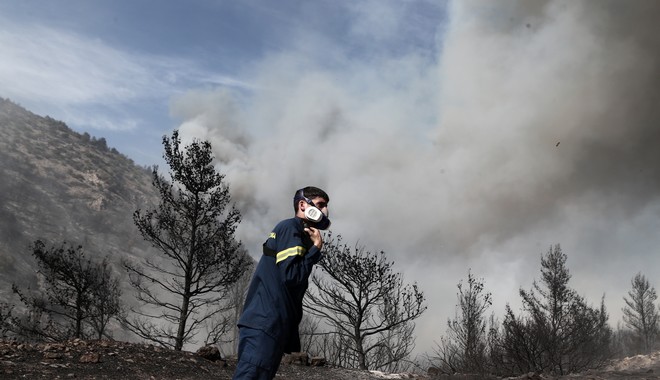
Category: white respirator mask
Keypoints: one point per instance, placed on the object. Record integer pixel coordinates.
(312, 213)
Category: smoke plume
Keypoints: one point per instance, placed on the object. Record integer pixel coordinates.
(535, 123)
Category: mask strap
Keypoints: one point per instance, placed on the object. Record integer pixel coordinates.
(300, 194)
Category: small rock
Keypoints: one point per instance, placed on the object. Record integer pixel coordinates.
(297, 358)
(54, 347)
(317, 361)
(433, 371)
(53, 355)
(90, 357)
(531, 376)
(209, 352)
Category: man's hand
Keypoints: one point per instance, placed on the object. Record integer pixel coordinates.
(315, 235)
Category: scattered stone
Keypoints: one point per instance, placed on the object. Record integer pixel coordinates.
(433, 371)
(53, 355)
(90, 357)
(209, 352)
(54, 347)
(317, 361)
(297, 358)
(119, 360)
(529, 376)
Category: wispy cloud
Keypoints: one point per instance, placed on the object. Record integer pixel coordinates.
(87, 81)
(56, 66)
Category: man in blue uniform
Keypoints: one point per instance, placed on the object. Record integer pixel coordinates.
(272, 312)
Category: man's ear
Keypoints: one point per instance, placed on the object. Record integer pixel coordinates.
(301, 205)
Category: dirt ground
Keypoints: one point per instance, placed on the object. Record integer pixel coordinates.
(103, 359)
(114, 360)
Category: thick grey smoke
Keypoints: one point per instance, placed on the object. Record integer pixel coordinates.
(537, 124)
(549, 105)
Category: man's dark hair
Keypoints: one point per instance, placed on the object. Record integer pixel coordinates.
(309, 192)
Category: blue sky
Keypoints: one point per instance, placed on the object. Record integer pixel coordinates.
(111, 67)
(453, 135)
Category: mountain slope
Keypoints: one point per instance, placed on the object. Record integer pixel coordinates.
(58, 185)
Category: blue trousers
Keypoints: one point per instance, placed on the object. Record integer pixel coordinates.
(259, 355)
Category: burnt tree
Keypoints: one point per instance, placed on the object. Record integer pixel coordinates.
(199, 258)
(367, 305)
(464, 349)
(640, 314)
(559, 332)
(74, 295)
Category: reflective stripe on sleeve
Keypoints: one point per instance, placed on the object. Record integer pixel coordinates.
(293, 251)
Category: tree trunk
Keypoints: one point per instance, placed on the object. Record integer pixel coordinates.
(178, 344)
(362, 357)
(78, 317)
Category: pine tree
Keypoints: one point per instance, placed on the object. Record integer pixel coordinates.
(193, 230)
(464, 348)
(640, 313)
(560, 333)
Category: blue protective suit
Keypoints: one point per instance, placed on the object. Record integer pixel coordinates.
(273, 305)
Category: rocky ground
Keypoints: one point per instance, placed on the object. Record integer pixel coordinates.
(79, 359)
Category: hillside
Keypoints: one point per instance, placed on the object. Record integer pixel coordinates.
(58, 185)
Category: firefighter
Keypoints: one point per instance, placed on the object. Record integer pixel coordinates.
(268, 326)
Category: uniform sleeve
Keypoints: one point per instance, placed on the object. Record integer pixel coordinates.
(294, 259)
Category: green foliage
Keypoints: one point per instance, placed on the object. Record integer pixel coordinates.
(193, 231)
(367, 304)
